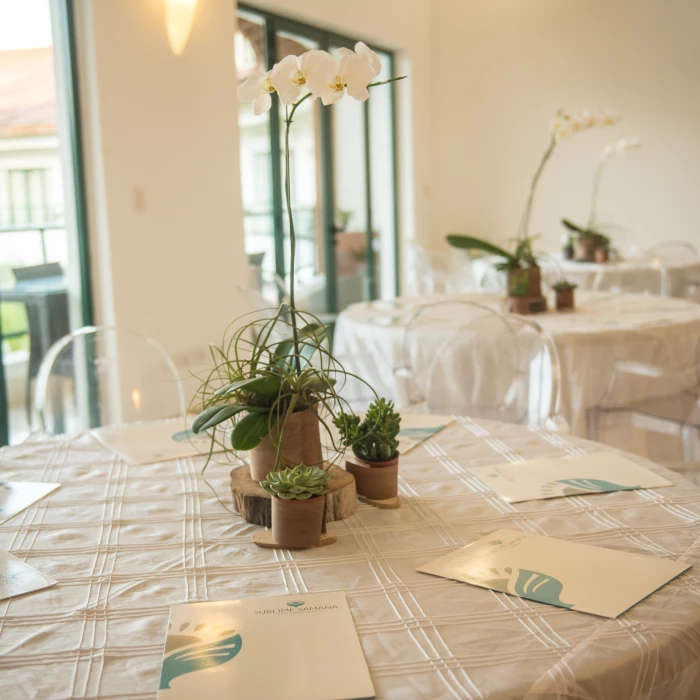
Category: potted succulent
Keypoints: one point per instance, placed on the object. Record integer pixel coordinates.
(298, 502)
(524, 286)
(273, 380)
(564, 295)
(374, 443)
(590, 244)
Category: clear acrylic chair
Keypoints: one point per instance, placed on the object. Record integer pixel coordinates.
(482, 364)
(98, 376)
(679, 277)
(439, 271)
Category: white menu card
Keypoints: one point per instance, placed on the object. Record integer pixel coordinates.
(15, 496)
(595, 472)
(416, 428)
(594, 580)
(294, 647)
(17, 578)
(153, 441)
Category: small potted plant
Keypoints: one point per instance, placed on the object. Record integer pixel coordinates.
(602, 252)
(374, 443)
(564, 293)
(298, 501)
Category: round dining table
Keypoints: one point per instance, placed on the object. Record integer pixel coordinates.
(124, 543)
(604, 328)
(634, 275)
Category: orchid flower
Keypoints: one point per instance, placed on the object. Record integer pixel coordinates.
(619, 147)
(565, 124)
(291, 75)
(333, 75)
(257, 89)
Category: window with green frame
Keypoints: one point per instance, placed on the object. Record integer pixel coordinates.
(344, 184)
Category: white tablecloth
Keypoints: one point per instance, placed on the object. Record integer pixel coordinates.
(604, 328)
(125, 543)
(632, 275)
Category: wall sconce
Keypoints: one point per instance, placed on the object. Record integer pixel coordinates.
(179, 18)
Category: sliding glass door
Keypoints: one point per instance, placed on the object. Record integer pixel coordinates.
(343, 165)
(43, 254)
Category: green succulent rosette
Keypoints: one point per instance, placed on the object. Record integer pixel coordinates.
(297, 483)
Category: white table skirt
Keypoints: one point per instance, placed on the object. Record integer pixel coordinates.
(633, 275)
(125, 543)
(604, 328)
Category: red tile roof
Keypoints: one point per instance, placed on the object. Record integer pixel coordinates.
(27, 92)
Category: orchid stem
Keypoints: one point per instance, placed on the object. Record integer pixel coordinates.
(525, 221)
(292, 238)
(594, 194)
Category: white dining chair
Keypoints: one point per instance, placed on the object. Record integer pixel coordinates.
(98, 376)
(483, 364)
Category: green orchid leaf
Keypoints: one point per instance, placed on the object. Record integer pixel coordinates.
(573, 227)
(267, 385)
(470, 243)
(222, 415)
(250, 431)
(204, 416)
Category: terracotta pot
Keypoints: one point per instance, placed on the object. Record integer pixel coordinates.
(584, 248)
(375, 480)
(529, 278)
(601, 255)
(301, 444)
(297, 524)
(564, 299)
(519, 305)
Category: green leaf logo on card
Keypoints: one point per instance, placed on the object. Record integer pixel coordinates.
(295, 603)
(532, 585)
(188, 650)
(571, 487)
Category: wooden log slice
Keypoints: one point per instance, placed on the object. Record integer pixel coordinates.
(256, 506)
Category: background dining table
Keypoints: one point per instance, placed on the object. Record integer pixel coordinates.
(605, 327)
(127, 542)
(634, 275)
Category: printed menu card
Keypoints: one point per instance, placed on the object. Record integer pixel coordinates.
(594, 580)
(595, 472)
(416, 428)
(15, 496)
(153, 441)
(17, 578)
(295, 647)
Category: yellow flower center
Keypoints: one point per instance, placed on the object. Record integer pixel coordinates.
(337, 85)
(299, 78)
(267, 86)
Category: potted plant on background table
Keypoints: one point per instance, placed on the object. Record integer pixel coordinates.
(522, 263)
(298, 501)
(374, 443)
(564, 295)
(590, 243)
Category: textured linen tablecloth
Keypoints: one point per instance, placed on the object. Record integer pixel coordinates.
(604, 328)
(127, 542)
(632, 275)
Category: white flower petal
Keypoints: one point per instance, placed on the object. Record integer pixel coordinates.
(366, 54)
(357, 75)
(332, 96)
(342, 52)
(250, 89)
(262, 104)
(321, 70)
(283, 77)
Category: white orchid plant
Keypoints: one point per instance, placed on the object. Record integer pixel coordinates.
(313, 75)
(563, 126)
(616, 148)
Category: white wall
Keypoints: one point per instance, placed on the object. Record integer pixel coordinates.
(163, 177)
(502, 68)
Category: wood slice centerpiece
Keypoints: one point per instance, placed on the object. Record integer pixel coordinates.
(255, 505)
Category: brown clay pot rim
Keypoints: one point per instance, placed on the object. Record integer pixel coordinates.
(301, 500)
(375, 465)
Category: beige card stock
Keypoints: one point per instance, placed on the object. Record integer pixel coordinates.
(15, 496)
(416, 428)
(297, 647)
(594, 580)
(595, 472)
(17, 578)
(153, 441)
